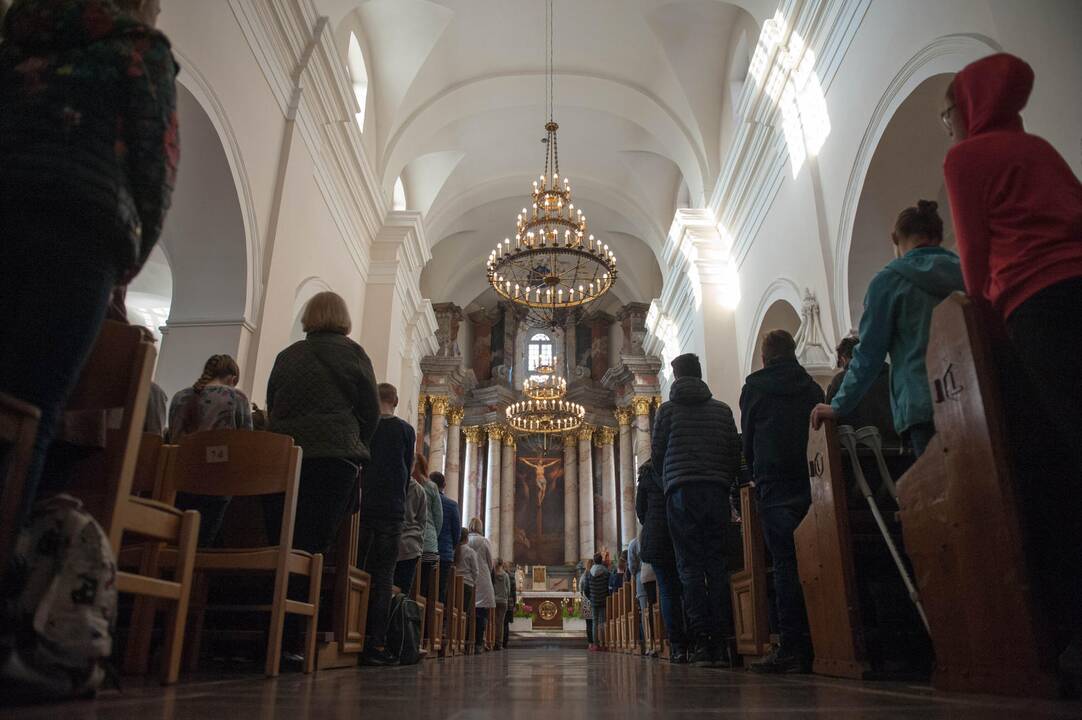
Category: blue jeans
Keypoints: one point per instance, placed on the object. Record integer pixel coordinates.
(56, 277)
(698, 514)
(782, 504)
(670, 598)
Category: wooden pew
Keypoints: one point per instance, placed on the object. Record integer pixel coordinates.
(634, 620)
(347, 610)
(490, 629)
(452, 613)
(433, 633)
(750, 593)
(961, 524)
(422, 603)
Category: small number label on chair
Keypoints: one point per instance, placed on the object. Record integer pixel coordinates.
(218, 454)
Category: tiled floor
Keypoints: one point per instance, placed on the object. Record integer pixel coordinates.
(546, 684)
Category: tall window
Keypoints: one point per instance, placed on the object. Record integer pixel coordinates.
(538, 351)
(358, 75)
(398, 199)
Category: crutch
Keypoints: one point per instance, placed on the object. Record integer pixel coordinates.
(847, 437)
(869, 437)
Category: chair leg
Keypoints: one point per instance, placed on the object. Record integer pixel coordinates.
(137, 653)
(196, 613)
(277, 622)
(177, 618)
(315, 577)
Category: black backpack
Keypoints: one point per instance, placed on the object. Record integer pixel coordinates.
(404, 630)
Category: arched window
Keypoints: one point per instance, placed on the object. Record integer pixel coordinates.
(358, 75)
(538, 352)
(398, 199)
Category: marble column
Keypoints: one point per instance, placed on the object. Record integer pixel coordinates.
(452, 466)
(629, 523)
(469, 508)
(641, 406)
(610, 540)
(437, 441)
(571, 499)
(492, 491)
(587, 541)
(422, 403)
(507, 498)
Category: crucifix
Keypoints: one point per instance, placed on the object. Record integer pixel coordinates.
(541, 482)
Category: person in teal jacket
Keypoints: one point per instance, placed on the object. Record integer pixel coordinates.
(897, 318)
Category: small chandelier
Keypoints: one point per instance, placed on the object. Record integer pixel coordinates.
(545, 409)
(554, 264)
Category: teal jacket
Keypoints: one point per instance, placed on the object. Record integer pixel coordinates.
(897, 317)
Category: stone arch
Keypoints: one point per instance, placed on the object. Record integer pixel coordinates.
(947, 54)
(308, 287)
(781, 295)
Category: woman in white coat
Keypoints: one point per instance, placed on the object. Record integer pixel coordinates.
(484, 592)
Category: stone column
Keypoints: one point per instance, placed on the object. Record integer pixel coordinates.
(507, 498)
(474, 435)
(492, 492)
(437, 442)
(452, 467)
(610, 540)
(641, 406)
(587, 541)
(422, 402)
(571, 499)
(629, 523)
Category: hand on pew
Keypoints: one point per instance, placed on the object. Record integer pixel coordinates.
(820, 413)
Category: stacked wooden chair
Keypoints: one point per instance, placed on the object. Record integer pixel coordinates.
(749, 586)
(347, 614)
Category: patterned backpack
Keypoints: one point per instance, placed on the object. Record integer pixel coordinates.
(59, 605)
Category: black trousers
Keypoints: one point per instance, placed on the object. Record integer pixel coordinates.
(327, 495)
(698, 515)
(445, 573)
(782, 505)
(1044, 395)
(376, 554)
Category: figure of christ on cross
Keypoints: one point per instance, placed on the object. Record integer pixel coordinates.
(542, 484)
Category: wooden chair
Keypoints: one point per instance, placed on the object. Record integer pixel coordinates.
(113, 388)
(433, 640)
(452, 611)
(961, 524)
(350, 591)
(246, 463)
(749, 586)
(422, 603)
(18, 429)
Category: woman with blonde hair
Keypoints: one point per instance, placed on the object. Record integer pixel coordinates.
(322, 392)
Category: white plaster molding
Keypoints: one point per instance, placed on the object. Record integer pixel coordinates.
(949, 53)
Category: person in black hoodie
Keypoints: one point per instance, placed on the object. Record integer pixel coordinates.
(696, 448)
(655, 547)
(774, 408)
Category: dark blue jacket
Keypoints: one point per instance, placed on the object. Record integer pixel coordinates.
(775, 409)
(452, 527)
(695, 438)
(384, 478)
(655, 542)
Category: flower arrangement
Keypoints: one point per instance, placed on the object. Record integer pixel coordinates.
(522, 610)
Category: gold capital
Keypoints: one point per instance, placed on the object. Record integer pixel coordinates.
(586, 431)
(455, 414)
(641, 404)
(604, 436)
(474, 434)
(623, 415)
(509, 438)
(440, 404)
(495, 432)
(570, 440)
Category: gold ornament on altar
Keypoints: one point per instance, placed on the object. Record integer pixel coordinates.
(548, 610)
(554, 263)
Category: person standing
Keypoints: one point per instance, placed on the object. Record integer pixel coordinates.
(88, 160)
(512, 601)
(501, 583)
(774, 408)
(641, 573)
(466, 566)
(485, 594)
(696, 447)
(448, 540)
(1017, 209)
(383, 498)
(874, 408)
(587, 607)
(212, 402)
(597, 585)
(656, 548)
(413, 530)
(430, 548)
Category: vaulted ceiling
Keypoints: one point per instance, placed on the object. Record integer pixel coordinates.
(456, 108)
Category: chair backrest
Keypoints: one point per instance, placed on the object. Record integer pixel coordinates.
(148, 466)
(233, 463)
(114, 381)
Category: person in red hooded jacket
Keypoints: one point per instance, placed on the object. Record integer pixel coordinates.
(1017, 210)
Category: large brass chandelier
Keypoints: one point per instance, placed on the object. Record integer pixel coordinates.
(546, 409)
(553, 264)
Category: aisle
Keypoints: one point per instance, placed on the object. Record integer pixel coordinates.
(543, 684)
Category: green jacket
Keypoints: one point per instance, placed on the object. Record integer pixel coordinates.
(435, 518)
(897, 317)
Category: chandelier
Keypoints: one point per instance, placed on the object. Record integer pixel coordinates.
(554, 264)
(545, 409)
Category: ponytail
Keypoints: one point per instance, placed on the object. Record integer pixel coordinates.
(217, 367)
(921, 220)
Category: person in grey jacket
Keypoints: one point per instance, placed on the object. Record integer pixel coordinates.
(412, 538)
(430, 550)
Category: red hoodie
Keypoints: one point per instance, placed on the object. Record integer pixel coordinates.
(1017, 206)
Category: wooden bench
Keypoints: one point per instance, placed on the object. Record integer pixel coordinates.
(346, 613)
(962, 527)
(750, 592)
(434, 610)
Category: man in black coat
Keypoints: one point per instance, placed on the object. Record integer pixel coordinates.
(697, 451)
(774, 409)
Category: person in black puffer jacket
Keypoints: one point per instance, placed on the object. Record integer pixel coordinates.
(774, 409)
(696, 446)
(655, 547)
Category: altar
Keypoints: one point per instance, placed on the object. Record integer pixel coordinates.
(547, 608)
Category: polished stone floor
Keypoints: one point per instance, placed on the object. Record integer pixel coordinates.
(546, 684)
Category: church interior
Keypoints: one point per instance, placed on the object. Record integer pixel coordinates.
(531, 211)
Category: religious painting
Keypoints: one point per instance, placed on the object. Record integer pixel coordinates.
(539, 505)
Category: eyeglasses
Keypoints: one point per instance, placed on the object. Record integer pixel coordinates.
(945, 118)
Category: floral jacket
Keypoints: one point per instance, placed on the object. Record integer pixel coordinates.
(88, 123)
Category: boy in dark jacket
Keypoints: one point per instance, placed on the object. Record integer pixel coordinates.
(697, 450)
(774, 409)
(597, 589)
(448, 537)
(655, 547)
(383, 501)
